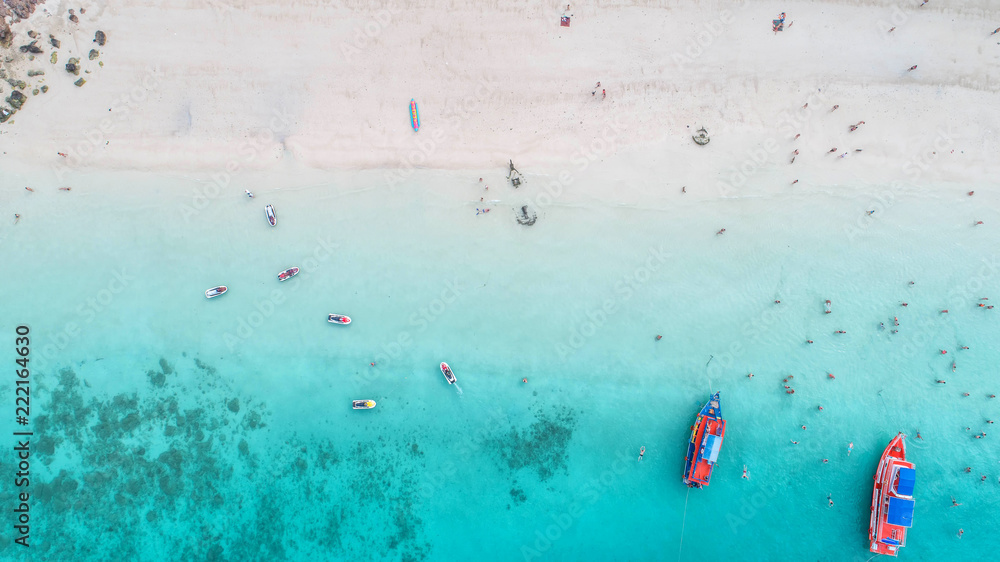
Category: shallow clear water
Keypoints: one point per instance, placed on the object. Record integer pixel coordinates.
(167, 424)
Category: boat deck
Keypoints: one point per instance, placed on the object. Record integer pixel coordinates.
(701, 469)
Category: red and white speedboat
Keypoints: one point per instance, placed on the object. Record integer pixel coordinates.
(216, 291)
(288, 274)
(338, 319)
(446, 371)
(892, 500)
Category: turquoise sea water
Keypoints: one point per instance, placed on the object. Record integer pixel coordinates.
(171, 427)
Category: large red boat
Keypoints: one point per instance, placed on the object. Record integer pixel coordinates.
(706, 440)
(892, 499)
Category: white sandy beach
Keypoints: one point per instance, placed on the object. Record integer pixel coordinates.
(199, 85)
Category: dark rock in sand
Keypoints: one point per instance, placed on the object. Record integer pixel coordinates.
(35, 73)
(79, 82)
(33, 34)
(45, 89)
(16, 99)
(234, 405)
(31, 48)
(100, 38)
(73, 66)
(74, 19)
(55, 42)
(94, 54)
(5, 114)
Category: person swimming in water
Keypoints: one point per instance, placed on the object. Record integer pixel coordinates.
(850, 447)
(745, 475)
(642, 451)
(250, 195)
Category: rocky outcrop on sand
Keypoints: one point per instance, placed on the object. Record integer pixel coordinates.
(20, 9)
(16, 99)
(19, 66)
(32, 48)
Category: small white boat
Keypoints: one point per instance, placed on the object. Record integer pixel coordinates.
(216, 291)
(363, 404)
(269, 211)
(288, 274)
(448, 374)
(339, 319)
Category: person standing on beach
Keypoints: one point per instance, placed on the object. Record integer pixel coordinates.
(914, 67)
(995, 31)
(604, 94)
